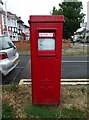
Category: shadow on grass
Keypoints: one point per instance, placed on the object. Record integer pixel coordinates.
(7, 111)
(35, 111)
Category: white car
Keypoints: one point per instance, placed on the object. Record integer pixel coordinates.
(76, 38)
(8, 55)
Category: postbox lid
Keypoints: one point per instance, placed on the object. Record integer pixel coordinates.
(46, 18)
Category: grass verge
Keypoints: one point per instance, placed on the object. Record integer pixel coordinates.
(7, 111)
(49, 112)
(73, 51)
(17, 103)
(24, 52)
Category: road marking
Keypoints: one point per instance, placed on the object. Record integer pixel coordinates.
(25, 82)
(76, 61)
(81, 80)
(63, 82)
(75, 83)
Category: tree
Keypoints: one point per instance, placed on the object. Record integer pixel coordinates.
(73, 16)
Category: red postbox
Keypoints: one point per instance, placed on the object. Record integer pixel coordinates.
(46, 52)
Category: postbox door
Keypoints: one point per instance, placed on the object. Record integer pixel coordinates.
(46, 65)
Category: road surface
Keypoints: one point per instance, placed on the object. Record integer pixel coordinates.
(72, 68)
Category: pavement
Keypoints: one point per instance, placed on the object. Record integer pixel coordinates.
(65, 81)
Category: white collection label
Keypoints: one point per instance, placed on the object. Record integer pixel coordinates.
(46, 44)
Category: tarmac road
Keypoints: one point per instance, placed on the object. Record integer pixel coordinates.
(72, 68)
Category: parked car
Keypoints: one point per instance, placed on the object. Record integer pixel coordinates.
(86, 39)
(8, 55)
(77, 37)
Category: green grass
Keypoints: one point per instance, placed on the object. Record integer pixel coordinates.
(24, 52)
(12, 87)
(65, 52)
(22, 97)
(47, 112)
(74, 54)
(76, 51)
(81, 47)
(7, 111)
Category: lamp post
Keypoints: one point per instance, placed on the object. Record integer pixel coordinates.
(6, 25)
(84, 37)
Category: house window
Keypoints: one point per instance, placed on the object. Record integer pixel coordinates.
(15, 30)
(15, 23)
(9, 28)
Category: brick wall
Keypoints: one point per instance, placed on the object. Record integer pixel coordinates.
(66, 43)
(25, 45)
(22, 45)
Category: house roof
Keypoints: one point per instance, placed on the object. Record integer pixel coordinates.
(10, 13)
(26, 26)
(15, 16)
(80, 29)
(20, 21)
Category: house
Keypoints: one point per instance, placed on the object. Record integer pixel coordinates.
(12, 26)
(20, 25)
(26, 32)
(15, 26)
(23, 29)
(88, 15)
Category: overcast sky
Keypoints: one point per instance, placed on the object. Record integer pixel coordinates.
(25, 8)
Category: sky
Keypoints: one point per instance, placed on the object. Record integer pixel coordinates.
(25, 8)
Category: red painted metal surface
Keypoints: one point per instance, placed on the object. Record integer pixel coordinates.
(46, 64)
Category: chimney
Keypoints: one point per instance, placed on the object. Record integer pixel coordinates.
(20, 18)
